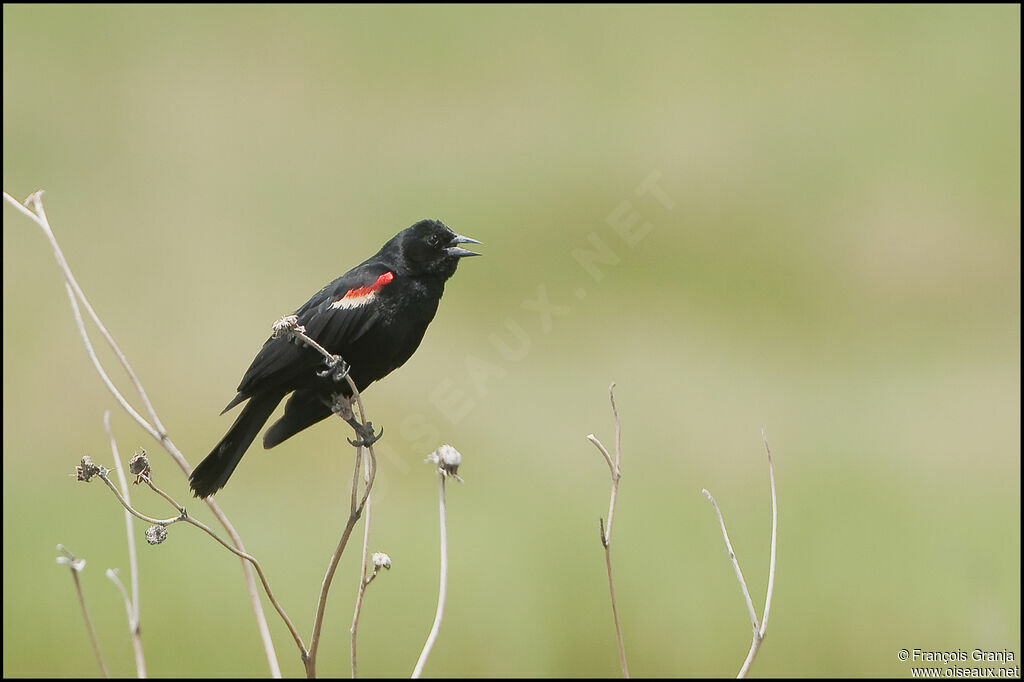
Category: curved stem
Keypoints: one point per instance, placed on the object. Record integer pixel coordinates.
(356, 512)
(131, 603)
(156, 428)
(363, 580)
(185, 517)
(442, 592)
(606, 530)
(76, 565)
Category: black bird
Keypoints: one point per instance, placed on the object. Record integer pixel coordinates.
(373, 316)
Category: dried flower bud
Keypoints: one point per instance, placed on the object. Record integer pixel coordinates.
(75, 564)
(381, 560)
(447, 460)
(156, 534)
(286, 325)
(87, 469)
(139, 464)
(70, 559)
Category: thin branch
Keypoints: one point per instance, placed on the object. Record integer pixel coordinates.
(140, 660)
(149, 481)
(606, 530)
(775, 533)
(356, 512)
(131, 603)
(156, 429)
(76, 565)
(363, 581)
(755, 644)
(608, 458)
(442, 592)
(35, 201)
(735, 564)
(184, 516)
(118, 396)
(289, 324)
(380, 560)
(758, 629)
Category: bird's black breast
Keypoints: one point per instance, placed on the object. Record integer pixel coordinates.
(399, 320)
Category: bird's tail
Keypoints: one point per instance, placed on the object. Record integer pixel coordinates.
(214, 471)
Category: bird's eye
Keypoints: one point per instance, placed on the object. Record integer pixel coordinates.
(433, 240)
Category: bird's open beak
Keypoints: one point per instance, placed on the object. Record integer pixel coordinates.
(455, 250)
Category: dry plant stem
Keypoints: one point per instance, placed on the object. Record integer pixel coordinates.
(442, 592)
(606, 530)
(308, 655)
(135, 637)
(759, 629)
(88, 623)
(169, 446)
(330, 359)
(38, 214)
(355, 511)
(156, 428)
(131, 603)
(185, 517)
(735, 564)
(161, 493)
(363, 581)
(755, 644)
(85, 612)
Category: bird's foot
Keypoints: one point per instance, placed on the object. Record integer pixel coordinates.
(341, 405)
(337, 369)
(366, 435)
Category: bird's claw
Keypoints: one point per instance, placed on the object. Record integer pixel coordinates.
(366, 435)
(337, 369)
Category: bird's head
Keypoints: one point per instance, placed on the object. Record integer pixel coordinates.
(432, 247)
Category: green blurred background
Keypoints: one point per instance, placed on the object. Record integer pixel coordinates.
(832, 253)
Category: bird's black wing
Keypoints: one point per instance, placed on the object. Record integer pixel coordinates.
(335, 317)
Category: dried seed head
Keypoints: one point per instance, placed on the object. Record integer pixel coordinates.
(75, 564)
(156, 534)
(381, 560)
(87, 469)
(139, 464)
(70, 559)
(447, 460)
(286, 325)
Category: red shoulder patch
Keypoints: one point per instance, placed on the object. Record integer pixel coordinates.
(363, 295)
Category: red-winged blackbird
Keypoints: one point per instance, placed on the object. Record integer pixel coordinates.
(373, 316)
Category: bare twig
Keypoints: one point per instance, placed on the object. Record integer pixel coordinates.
(363, 580)
(356, 510)
(442, 592)
(289, 325)
(184, 516)
(380, 560)
(735, 563)
(134, 632)
(33, 209)
(606, 529)
(448, 460)
(156, 429)
(758, 629)
(755, 644)
(76, 565)
(131, 602)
